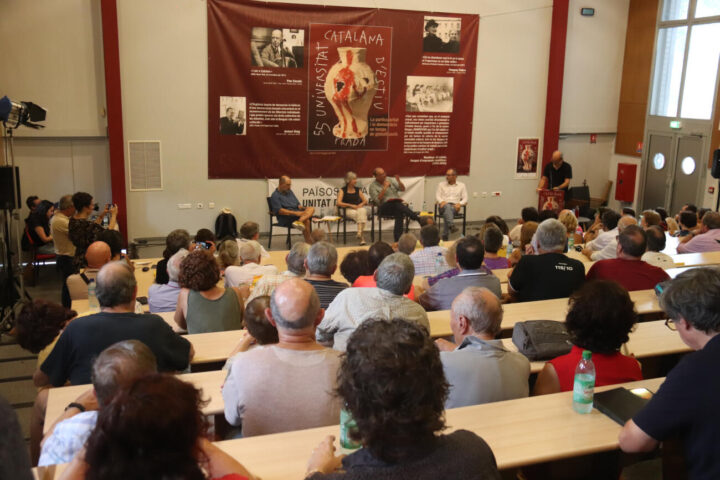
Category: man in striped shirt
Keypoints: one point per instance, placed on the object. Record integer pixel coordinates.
(320, 264)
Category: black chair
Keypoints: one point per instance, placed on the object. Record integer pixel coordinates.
(374, 210)
(289, 229)
(462, 215)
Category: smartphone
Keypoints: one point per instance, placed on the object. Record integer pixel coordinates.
(205, 245)
(642, 393)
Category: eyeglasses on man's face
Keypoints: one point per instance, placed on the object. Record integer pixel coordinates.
(671, 324)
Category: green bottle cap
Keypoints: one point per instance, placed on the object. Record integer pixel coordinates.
(587, 354)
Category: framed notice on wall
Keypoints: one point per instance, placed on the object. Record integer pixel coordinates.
(315, 91)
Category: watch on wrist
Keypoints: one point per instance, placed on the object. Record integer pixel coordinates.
(75, 405)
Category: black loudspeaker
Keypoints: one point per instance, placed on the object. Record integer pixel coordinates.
(7, 202)
(715, 172)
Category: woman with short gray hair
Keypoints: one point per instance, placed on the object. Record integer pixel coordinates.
(353, 201)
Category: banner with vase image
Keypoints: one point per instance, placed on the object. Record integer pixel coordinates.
(317, 90)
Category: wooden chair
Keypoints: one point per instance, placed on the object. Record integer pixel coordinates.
(462, 215)
(289, 229)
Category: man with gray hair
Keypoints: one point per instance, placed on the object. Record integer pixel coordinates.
(550, 273)
(479, 368)
(407, 243)
(353, 306)
(295, 260)
(85, 337)
(686, 403)
(289, 385)
(250, 270)
(163, 297)
(320, 264)
(114, 369)
(64, 248)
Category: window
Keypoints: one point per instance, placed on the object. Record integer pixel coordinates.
(688, 165)
(659, 161)
(675, 10)
(701, 71)
(707, 8)
(668, 71)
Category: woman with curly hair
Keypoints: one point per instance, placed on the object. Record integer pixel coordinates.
(392, 382)
(600, 319)
(154, 430)
(39, 323)
(202, 305)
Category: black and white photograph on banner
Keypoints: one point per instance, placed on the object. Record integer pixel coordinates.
(277, 47)
(441, 35)
(429, 94)
(232, 115)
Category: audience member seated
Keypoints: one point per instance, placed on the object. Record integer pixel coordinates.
(527, 233)
(687, 221)
(628, 269)
(287, 386)
(709, 238)
(318, 235)
(64, 248)
(376, 254)
(609, 220)
(250, 270)
(114, 369)
(451, 260)
(228, 255)
(407, 243)
(96, 255)
(701, 213)
(492, 241)
(672, 226)
(627, 211)
(550, 273)
(259, 330)
(392, 384)
(202, 305)
(610, 249)
(320, 265)
(354, 265)
(664, 216)
(163, 297)
(85, 337)
(353, 306)
(567, 218)
(527, 214)
(430, 260)
(600, 318)
(479, 368)
(81, 230)
(205, 238)
(650, 218)
(352, 199)
(38, 227)
(546, 214)
(450, 197)
(686, 403)
(154, 429)
(500, 223)
(288, 211)
(251, 231)
(175, 240)
(295, 260)
(655, 245)
(14, 460)
(469, 260)
(115, 241)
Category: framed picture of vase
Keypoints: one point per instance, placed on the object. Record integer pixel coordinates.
(527, 156)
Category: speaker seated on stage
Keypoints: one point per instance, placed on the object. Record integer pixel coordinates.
(286, 207)
(385, 193)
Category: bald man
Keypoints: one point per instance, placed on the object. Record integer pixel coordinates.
(85, 337)
(289, 385)
(96, 255)
(286, 207)
(478, 368)
(556, 174)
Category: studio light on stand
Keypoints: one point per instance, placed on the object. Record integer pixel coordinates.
(12, 288)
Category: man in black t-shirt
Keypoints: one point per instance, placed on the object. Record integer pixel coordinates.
(550, 274)
(85, 337)
(556, 174)
(686, 403)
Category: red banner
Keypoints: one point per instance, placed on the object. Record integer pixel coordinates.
(313, 91)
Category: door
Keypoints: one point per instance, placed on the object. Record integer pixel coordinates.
(658, 171)
(688, 165)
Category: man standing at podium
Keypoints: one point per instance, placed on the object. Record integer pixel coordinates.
(556, 174)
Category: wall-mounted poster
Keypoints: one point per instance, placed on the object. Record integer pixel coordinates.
(527, 157)
(315, 91)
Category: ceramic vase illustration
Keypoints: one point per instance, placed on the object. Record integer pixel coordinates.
(349, 87)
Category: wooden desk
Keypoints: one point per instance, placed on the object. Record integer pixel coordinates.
(520, 432)
(210, 383)
(696, 259)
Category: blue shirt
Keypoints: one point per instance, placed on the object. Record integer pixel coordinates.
(67, 438)
(286, 200)
(163, 297)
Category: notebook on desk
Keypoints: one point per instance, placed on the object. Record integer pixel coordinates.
(621, 404)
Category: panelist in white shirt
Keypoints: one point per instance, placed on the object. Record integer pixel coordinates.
(451, 195)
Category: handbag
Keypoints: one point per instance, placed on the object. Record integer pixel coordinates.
(541, 339)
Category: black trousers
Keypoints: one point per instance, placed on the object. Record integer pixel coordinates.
(399, 211)
(65, 266)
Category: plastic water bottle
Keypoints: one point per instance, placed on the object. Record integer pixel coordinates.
(584, 385)
(439, 264)
(571, 242)
(93, 304)
(347, 424)
(509, 249)
(424, 206)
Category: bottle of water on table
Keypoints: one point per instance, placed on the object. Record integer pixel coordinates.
(584, 385)
(93, 304)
